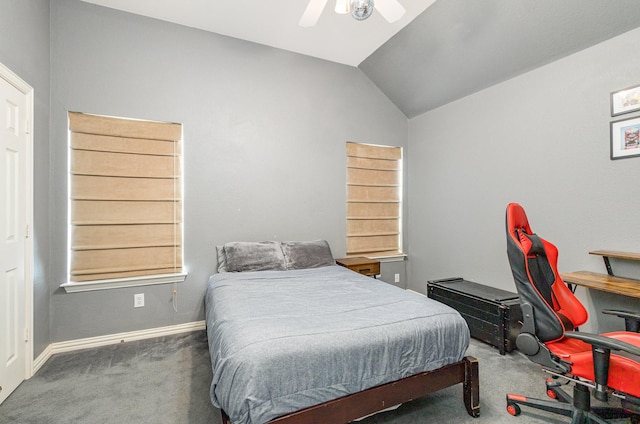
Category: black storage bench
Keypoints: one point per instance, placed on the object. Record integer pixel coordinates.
(493, 315)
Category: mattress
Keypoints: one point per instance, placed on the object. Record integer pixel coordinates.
(281, 341)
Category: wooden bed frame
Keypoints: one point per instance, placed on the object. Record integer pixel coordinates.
(351, 407)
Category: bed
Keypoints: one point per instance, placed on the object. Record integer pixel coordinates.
(295, 338)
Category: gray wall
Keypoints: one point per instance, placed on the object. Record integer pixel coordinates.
(264, 155)
(264, 150)
(542, 140)
(24, 48)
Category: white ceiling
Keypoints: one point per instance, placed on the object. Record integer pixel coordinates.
(338, 38)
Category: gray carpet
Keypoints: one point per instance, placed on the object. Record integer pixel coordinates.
(166, 380)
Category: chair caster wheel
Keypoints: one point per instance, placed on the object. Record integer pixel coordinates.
(552, 394)
(513, 409)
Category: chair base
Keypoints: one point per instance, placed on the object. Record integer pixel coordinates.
(578, 408)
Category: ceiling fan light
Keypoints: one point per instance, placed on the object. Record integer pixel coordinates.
(361, 9)
(342, 6)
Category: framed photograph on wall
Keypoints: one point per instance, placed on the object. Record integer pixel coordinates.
(625, 138)
(625, 100)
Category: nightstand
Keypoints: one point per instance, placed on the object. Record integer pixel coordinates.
(361, 265)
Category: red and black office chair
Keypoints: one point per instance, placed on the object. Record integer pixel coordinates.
(604, 364)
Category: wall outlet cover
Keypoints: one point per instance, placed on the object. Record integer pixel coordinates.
(138, 300)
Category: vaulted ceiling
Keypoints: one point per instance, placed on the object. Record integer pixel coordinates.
(438, 52)
(335, 37)
(458, 47)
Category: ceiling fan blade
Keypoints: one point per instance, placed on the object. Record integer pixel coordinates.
(391, 10)
(312, 13)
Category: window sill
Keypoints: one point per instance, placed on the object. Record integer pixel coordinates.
(400, 257)
(82, 286)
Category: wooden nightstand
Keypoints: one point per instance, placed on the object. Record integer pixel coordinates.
(361, 265)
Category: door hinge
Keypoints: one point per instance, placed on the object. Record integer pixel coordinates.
(26, 231)
(26, 335)
(27, 127)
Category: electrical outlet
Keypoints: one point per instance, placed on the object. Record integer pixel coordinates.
(138, 300)
(397, 278)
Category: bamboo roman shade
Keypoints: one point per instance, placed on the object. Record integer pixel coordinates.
(125, 198)
(374, 175)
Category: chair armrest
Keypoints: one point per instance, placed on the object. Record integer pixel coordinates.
(631, 319)
(604, 342)
(622, 314)
(601, 347)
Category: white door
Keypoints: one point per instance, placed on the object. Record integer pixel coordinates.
(14, 148)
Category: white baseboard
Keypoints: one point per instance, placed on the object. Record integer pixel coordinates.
(416, 292)
(91, 342)
(40, 360)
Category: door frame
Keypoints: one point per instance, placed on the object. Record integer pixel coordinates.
(27, 90)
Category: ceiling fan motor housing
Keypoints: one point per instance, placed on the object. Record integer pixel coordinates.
(361, 9)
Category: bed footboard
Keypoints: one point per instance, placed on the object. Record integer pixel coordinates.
(351, 407)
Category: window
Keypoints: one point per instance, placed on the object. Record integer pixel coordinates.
(125, 206)
(374, 200)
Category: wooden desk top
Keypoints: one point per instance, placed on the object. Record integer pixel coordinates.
(617, 254)
(604, 282)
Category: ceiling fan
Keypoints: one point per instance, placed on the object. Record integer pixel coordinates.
(391, 10)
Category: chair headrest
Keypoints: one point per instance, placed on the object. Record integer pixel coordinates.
(517, 218)
(518, 226)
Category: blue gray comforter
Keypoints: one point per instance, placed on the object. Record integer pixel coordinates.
(281, 341)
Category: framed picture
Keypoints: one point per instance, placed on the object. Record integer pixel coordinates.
(625, 138)
(625, 100)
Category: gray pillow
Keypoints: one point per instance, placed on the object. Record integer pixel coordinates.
(254, 256)
(222, 259)
(307, 254)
